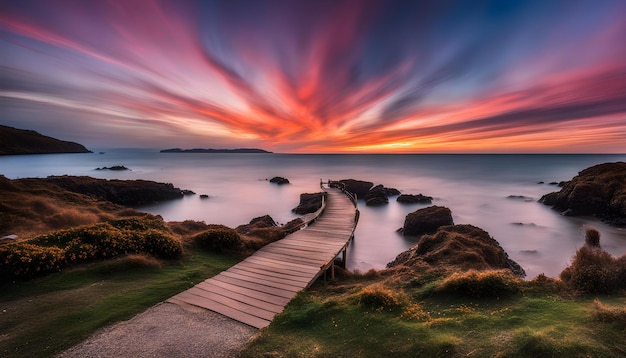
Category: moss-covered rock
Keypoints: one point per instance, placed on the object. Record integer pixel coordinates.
(458, 247)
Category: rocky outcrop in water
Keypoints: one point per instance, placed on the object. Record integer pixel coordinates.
(123, 192)
(598, 191)
(279, 180)
(358, 187)
(458, 248)
(376, 196)
(115, 167)
(414, 199)
(426, 220)
(309, 203)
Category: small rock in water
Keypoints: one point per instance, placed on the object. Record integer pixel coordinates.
(204, 196)
(279, 180)
(540, 182)
(115, 167)
(520, 197)
(187, 192)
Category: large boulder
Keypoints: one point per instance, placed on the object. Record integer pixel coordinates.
(414, 199)
(260, 222)
(358, 187)
(427, 220)
(599, 191)
(458, 247)
(376, 196)
(309, 203)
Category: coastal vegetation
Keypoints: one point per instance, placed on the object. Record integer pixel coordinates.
(80, 263)
(445, 311)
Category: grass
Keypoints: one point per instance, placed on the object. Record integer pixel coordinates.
(44, 316)
(331, 320)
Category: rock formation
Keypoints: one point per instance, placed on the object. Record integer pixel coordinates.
(458, 247)
(123, 192)
(309, 203)
(376, 196)
(257, 223)
(358, 187)
(279, 180)
(599, 191)
(426, 220)
(414, 199)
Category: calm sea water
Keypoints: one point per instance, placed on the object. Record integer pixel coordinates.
(474, 187)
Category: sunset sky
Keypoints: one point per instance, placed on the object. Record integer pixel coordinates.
(319, 76)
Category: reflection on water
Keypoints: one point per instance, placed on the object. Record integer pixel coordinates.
(474, 187)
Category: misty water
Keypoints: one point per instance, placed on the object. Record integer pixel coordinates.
(475, 187)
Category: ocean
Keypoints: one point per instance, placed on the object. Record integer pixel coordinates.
(475, 187)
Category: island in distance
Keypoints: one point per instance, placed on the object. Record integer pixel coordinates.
(15, 141)
(200, 150)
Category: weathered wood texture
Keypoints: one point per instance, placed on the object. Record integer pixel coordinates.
(259, 287)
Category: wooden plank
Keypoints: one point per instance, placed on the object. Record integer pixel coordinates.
(290, 259)
(281, 263)
(260, 265)
(307, 248)
(232, 303)
(261, 281)
(270, 277)
(267, 297)
(300, 254)
(256, 287)
(223, 309)
(275, 274)
(209, 287)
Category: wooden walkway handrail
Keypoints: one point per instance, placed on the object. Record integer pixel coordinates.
(259, 287)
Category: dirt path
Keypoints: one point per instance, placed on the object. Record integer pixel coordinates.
(167, 330)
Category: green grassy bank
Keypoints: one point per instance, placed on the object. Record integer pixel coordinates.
(341, 320)
(46, 315)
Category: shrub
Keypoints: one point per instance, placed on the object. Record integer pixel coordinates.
(51, 252)
(592, 237)
(146, 222)
(593, 270)
(160, 244)
(380, 298)
(481, 284)
(604, 313)
(27, 260)
(219, 239)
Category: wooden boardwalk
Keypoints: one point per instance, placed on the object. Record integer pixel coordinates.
(258, 288)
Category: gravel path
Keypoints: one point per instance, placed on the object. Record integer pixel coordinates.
(167, 330)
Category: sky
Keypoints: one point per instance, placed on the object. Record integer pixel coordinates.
(354, 76)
